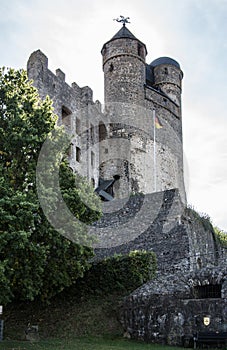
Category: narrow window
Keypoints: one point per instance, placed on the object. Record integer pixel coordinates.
(199, 263)
(78, 126)
(93, 182)
(78, 154)
(140, 50)
(92, 133)
(111, 67)
(166, 71)
(92, 159)
(102, 132)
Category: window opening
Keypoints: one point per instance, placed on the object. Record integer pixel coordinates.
(78, 154)
(102, 132)
(66, 118)
(78, 126)
(207, 291)
(92, 133)
(92, 158)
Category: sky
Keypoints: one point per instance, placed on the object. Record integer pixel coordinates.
(193, 32)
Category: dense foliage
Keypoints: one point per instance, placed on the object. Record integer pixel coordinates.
(35, 259)
(119, 273)
(221, 236)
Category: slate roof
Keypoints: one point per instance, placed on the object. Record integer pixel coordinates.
(123, 33)
(164, 60)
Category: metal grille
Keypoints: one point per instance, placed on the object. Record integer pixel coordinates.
(208, 291)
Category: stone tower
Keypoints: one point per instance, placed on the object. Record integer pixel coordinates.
(124, 68)
(136, 94)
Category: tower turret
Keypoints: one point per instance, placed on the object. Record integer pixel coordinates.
(167, 77)
(124, 68)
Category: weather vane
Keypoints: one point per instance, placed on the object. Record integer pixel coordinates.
(123, 20)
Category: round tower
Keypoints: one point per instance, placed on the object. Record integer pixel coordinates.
(167, 77)
(124, 68)
(124, 78)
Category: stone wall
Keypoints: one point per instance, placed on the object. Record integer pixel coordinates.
(156, 222)
(166, 310)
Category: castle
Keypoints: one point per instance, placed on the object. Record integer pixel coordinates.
(118, 141)
(131, 150)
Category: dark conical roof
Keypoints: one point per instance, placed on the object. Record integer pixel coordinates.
(164, 60)
(123, 33)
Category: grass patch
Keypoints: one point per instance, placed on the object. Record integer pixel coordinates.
(84, 343)
(66, 317)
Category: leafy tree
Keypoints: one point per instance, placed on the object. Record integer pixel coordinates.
(35, 259)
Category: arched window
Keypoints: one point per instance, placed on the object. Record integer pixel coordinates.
(102, 132)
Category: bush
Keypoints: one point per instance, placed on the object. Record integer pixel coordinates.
(221, 236)
(119, 273)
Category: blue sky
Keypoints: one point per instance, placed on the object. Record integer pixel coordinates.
(71, 33)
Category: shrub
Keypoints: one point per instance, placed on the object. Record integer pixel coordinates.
(119, 273)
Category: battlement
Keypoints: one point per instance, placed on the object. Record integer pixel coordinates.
(54, 85)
